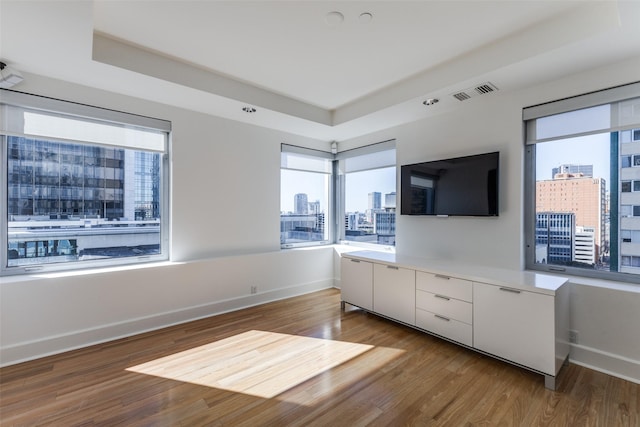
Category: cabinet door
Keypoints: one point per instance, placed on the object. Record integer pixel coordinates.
(515, 325)
(394, 292)
(356, 282)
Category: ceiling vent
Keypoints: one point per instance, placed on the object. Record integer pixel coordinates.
(481, 89)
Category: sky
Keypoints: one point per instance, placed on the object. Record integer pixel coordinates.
(585, 150)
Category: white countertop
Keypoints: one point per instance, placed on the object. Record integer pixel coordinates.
(515, 279)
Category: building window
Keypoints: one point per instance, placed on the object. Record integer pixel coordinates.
(85, 187)
(305, 191)
(367, 178)
(581, 177)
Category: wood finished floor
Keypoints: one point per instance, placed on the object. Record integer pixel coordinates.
(406, 378)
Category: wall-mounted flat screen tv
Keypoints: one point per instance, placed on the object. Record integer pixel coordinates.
(460, 186)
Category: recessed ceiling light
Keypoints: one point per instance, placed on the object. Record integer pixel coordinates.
(365, 17)
(431, 101)
(249, 110)
(334, 18)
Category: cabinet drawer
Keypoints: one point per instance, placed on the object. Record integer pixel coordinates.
(448, 328)
(445, 306)
(445, 285)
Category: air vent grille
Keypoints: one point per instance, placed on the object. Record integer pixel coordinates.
(461, 96)
(469, 93)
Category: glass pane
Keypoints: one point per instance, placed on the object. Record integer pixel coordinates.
(66, 202)
(370, 206)
(572, 215)
(587, 203)
(304, 199)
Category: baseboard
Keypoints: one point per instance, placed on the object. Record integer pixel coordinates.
(26, 351)
(608, 363)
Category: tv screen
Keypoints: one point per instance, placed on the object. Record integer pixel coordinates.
(461, 186)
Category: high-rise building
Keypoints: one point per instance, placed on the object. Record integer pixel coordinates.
(584, 197)
(49, 178)
(390, 200)
(375, 200)
(300, 204)
(314, 207)
(626, 256)
(384, 223)
(585, 170)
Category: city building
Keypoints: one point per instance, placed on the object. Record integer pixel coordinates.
(584, 196)
(375, 200)
(300, 204)
(584, 170)
(627, 255)
(555, 237)
(390, 200)
(585, 245)
(65, 199)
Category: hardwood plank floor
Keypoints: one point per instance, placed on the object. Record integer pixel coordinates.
(405, 377)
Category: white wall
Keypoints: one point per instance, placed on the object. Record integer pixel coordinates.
(225, 238)
(607, 316)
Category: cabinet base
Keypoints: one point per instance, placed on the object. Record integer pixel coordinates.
(550, 382)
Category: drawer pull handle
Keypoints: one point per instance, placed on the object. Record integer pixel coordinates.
(393, 267)
(355, 260)
(442, 297)
(442, 317)
(440, 276)
(513, 291)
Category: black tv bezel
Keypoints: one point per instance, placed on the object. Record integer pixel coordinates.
(405, 204)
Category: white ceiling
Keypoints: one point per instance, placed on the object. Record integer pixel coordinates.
(305, 75)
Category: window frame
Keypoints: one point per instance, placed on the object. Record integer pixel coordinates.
(341, 157)
(530, 114)
(13, 102)
(336, 202)
(328, 221)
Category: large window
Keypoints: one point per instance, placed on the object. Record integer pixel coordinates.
(84, 186)
(348, 197)
(305, 193)
(583, 185)
(368, 189)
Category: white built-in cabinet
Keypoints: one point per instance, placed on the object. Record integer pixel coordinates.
(515, 325)
(394, 292)
(520, 317)
(359, 275)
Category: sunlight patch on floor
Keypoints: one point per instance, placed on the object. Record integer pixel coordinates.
(258, 363)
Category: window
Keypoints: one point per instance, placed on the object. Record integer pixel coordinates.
(582, 159)
(85, 187)
(368, 189)
(358, 187)
(305, 184)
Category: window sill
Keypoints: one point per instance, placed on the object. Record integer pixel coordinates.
(83, 272)
(599, 283)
